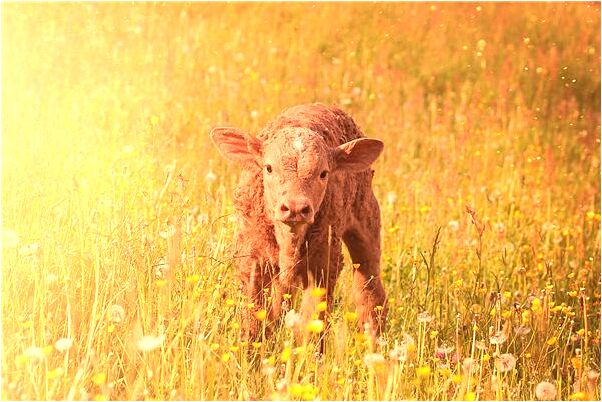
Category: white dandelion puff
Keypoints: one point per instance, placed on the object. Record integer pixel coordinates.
(454, 225)
(391, 197)
(522, 330)
(425, 317)
(169, 232)
(468, 365)
(10, 239)
(210, 177)
(161, 268)
(34, 353)
(29, 250)
(499, 338)
(150, 342)
(505, 362)
(373, 359)
(292, 319)
(401, 350)
(63, 344)
(116, 313)
(545, 391)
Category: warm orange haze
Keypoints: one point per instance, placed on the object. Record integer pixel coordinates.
(119, 263)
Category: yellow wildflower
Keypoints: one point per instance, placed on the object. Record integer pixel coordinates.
(576, 362)
(20, 360)
(99, 378)
(315, 326)
(578, 396)
(57, 372)
(192, 279)
(423, 372)
(350, 316)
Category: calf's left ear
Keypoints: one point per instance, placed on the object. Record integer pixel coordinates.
(358, 154)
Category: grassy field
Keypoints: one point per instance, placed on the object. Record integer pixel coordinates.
(117, 227)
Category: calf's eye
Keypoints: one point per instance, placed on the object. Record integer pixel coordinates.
(268, 168)
(323, 174)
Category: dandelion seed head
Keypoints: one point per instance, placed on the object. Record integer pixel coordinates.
(150, 342)
(267, 368)
(498, 338)
(292, 319)
(403, 348)
(210, 177)
(593, 375)
(10, 238)
(425, 317)
(170, 231)
(545, 391)
(29, 250)
(391, 197)
(505, 362)
(161, 268)
(116, 313)
(443, 350)
(373, 359)
(63, 344)
(522, 330)
(34, 353)
(468, 364)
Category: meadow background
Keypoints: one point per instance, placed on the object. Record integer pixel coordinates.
(117, 228)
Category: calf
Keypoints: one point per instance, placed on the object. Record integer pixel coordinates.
(305, 188)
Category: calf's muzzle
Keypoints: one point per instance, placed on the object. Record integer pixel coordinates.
(295, 210)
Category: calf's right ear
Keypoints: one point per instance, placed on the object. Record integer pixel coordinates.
(236, 145)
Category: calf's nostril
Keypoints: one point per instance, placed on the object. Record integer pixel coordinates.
(284, 208)
(305, 210)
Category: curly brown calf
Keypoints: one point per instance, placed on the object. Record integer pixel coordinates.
(305, 189)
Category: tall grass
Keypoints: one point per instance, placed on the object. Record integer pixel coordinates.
(117, 273)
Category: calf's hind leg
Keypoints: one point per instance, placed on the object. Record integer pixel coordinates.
(363, 242)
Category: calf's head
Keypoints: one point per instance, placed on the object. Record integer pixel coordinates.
(297, 166)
